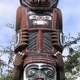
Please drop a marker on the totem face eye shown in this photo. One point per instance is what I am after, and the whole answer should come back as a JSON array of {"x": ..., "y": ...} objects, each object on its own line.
[
  {"x": 49, "y": 73},
  {"x": 30, "y": 72},
  {"x": 40, "y": 71}
]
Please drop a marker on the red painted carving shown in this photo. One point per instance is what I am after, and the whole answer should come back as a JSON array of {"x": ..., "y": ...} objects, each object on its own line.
[{"x": 39, "y": 30}]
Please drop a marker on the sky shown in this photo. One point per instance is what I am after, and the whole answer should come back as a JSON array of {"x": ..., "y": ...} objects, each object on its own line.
[
  {"x": 70, "y": 13},
  {"x": 70, "y": 10}
]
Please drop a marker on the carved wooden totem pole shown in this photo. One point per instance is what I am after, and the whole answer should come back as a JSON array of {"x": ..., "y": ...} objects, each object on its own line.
[{"x": 39, "y": 41}]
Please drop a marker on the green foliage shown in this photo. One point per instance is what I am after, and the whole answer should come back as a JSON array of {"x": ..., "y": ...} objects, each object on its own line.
[
  {"x": 72, "y": 61},
  {"x": 72, "y": 65},
  {"x": 8, "y": 77}
]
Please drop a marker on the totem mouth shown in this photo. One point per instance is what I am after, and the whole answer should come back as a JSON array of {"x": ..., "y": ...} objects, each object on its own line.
[{"x": 40, "y": 79}]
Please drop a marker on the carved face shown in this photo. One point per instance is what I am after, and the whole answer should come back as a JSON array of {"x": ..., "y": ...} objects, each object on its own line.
[
  {"x": 39, "y": 71},
  {"x": 39, "y": 4}
]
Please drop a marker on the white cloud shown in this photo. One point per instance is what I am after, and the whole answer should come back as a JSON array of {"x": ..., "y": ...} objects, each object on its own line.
[
  {"x": 7, "y": 15},
  {"x": 78, "y": 78},
  {"x": 70, "y": 11}
]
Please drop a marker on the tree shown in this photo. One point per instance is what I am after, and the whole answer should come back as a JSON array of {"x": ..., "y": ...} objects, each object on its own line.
[
  {"x": 72, "y": 64},
  {"x": 9, "y": 50}
]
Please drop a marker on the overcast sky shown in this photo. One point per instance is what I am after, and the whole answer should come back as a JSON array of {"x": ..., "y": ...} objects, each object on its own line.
[{"x": 70, "y": 10}]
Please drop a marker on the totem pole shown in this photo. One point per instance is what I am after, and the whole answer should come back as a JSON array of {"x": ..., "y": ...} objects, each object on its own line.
[{"x": 39, "y": 41}]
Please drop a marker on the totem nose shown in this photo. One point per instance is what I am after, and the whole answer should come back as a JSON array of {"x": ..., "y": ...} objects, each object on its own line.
[{"x": 40, "y": 76}]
